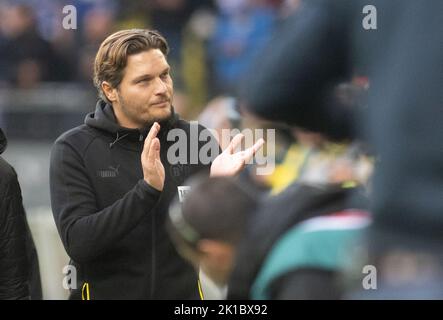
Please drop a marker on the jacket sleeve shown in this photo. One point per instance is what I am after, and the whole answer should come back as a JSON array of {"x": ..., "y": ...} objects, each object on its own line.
[
  {"x": 13, "y": 236},
  {"x": 293, "y": 81},
  {"x": 87, "y": 232}
]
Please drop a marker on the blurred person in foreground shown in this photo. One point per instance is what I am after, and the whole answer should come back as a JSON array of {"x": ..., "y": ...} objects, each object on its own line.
[
  {"x": 291, "y": 246},
  {"x": 402, "y": 53},
  {"x": 303, "y": 235},
  {"x": 19, "y": 269},
  {"x": 207, "y": 227},
  {"x": 112, "y": 180},
  {"x": 300, "y": 239}
]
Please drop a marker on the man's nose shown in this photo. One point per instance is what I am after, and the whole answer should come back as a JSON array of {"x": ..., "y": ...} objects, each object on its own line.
[{"x": 160, "y": 87}]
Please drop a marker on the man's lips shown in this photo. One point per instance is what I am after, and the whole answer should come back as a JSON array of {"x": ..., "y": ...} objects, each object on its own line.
[{"x": 159, "y": 103}]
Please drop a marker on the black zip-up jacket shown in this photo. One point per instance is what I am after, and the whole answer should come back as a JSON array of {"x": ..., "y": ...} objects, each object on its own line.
[
  {"x": 110, "y": 220},
  {"x": 19, "y": 271}
]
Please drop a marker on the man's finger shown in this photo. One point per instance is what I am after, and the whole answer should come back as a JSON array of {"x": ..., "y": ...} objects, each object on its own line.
[
  {"x": 157, "y": 149},
  {"x": 236, "y": 141},
  {"x": 154, "y": 152},
  {"x": 155, "y": 128},
  {"x": 250, "y": 152},
  {"x": 257, "y": 146}
]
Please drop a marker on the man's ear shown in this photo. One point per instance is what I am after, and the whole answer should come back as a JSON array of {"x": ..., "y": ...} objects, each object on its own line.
[{"x": 109, "y": 91}]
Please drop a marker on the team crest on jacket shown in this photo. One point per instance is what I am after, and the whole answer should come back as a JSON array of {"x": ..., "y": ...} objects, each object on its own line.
[{"x": 182, "y": 192}]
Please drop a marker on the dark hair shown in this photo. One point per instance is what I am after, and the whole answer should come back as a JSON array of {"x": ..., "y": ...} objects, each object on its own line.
[{"x": 216, "y": 208}]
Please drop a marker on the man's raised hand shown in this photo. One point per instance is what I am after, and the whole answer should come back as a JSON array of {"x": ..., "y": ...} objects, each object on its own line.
[
  {"x": 230, "y": 163},
  {"x": 153, "y": 170}
]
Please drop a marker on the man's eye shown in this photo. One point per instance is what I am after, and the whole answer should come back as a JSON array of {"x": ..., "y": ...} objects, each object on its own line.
[{"x": 164, "y": 75}]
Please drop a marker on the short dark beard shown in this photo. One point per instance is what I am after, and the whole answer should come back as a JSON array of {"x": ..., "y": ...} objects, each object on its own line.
[
  {"x": 162, "y": 120},
  {"x": 150, "y": 122}
]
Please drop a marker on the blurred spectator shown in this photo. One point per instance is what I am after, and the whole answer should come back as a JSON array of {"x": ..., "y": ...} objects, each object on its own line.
[
  {"x": 306, "y": 261},
  {"x": 290, "y": 259},
  {"x": 206, "y": 229},
  {"x": 288, "y": 7},
  {"x": 314, "y": 185},
  {"x": 97, "y": 24},
  {"x": 26, "y": 58},
  {"x": 132, "y": 14},
  {"x": 243, "y": 27},
  {"x": 170, "y": 17}
]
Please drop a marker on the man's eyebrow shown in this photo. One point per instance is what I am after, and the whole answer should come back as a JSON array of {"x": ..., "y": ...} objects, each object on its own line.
[
  {"x": 143, "y": 77},
  {"x": 149, "y": 76}
]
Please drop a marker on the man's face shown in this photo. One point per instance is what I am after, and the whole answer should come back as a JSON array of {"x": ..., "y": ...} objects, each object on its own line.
[{"x": 145, "y": 92}]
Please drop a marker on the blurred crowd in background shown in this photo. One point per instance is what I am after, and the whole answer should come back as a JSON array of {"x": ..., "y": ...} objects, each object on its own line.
[{"x": 212, "y": 42}]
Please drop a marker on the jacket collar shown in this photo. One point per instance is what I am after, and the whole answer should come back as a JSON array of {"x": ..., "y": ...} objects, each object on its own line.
[{"x": 103, "y": 118}]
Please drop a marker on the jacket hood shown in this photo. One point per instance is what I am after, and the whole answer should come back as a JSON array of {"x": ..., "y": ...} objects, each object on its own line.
[
  {"x": 103, "y": 118},
  {"x": 3, "y": 141}
]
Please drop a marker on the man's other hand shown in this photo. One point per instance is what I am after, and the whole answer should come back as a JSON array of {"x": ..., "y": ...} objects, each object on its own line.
[
  {"x": 153, "y": 170},
  {"x": 230, "y": 163}
]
